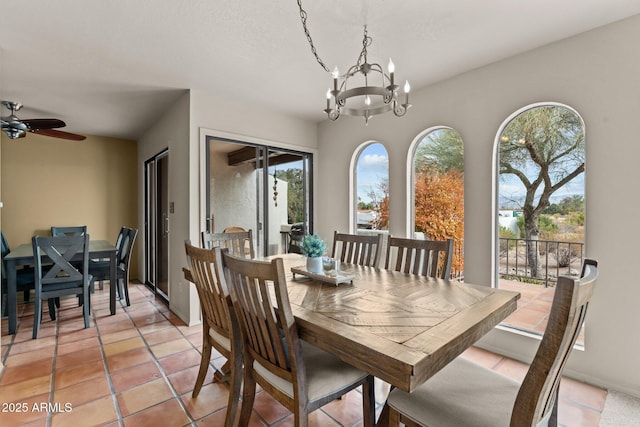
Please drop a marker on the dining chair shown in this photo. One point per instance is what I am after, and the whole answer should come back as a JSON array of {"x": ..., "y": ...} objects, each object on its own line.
[
  {"x": 59, "y": 277},
  {"x": 424, "y": 257},
  {"x": 68, "y": 231},
  {"x": 24, "y": 276},
  {"x": 220, "y": 328},
  {"x": 238, "y": 242},
  {"x": 233, "y": 229},
  {"x": 299, "y": 375},
  {"x": 296, "y": 234},
  {"x": 100, "y": 269},
  {"x": 466, "y": 394},
  {"x": 361, "y": 249}
]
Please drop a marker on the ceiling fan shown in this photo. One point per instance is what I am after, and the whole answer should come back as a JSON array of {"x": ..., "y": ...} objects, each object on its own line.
[{"x": 17, "y": 128}]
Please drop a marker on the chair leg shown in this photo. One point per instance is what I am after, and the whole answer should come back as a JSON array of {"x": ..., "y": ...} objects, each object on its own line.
[
  {"x": 52, "y": 307},
  {"x": 86, "y": 309},
  {"x": 204, "y": 361},
  {"x": 37, "y": 317},
  {"x": 125, "y": 284},
  {"x": 248, "y": 396},
  {"x": 235, "y": 386}
]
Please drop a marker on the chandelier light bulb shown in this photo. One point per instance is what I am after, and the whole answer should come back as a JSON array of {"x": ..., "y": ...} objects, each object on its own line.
[
  {"x": 407, "y": 86},
  {"x": 367, "y": 100},
  {"x": 335, "y": 73},
  {"x": 391, "y": 67}
]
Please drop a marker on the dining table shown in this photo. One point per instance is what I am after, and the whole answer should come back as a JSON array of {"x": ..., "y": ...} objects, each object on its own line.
[
  {"x": 399, "y": 327},
  {"x": 402, "y": 328},
  {"x": 23, "y": 255}
]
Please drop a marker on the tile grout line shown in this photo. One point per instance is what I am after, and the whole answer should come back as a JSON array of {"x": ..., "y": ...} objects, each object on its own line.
[
  {"x": 112, "y": 388},
  {"x": 157, "y": 363}
]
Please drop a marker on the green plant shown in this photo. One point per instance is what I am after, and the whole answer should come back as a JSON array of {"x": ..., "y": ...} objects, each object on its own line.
[{"x": 313, "y": 245}]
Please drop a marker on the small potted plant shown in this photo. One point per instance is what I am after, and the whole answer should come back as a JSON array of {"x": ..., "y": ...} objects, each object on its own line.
[{"x": 313, "y": 247}]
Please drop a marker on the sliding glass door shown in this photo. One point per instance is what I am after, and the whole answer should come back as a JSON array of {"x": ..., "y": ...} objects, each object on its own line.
[{"x": 258, "y": 187}]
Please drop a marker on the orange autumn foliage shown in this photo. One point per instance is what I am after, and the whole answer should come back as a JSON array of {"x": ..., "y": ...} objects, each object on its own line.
[{"x": 439, "y": 209}]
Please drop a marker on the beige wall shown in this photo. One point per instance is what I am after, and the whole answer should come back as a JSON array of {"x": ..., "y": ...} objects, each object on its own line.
[
  {"x": 597, "y": 74},
  {"x": 48, "y": 181}
]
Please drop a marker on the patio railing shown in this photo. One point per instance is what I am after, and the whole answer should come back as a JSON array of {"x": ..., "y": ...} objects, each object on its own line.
[{"x": 555, "y": 258}]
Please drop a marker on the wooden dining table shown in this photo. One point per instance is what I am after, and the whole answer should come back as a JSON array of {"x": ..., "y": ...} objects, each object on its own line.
[
  {"x": 401, "y": 328},
  {"x": 23, "y": 255}
]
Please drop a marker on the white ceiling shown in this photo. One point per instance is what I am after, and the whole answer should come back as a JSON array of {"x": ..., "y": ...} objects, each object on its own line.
[{"x": 112, "y": 67}]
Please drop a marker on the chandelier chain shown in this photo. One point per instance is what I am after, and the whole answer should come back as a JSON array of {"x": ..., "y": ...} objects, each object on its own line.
[
  {"x": 303, "y": 18},
  {"x": 366, "y": 41}
]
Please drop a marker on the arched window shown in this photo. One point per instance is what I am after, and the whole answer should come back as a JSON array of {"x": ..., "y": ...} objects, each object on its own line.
[
  {"x": 539, "y": 163},
  {"x": 370, "y": 189},
  {"x": 436, "y": 174}
]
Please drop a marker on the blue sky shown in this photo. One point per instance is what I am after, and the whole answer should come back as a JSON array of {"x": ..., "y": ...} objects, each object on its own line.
[{"x": 372, "y": 168}]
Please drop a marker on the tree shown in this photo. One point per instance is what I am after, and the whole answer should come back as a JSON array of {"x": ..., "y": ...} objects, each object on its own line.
[
  {"x": 544, "y": 149},
  {"x": 439, "y": 189},
  {"x": 439, "y": 208},
  {"x": 380, "y": 204},
  {"x": 295, "y": 199},
  {"x": 441, "y": 150}
]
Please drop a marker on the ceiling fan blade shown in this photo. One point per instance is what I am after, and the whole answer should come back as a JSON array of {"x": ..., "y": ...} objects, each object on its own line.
[
  {"x": 34, "y": 124},
  {"x": 59, "y": 134}
]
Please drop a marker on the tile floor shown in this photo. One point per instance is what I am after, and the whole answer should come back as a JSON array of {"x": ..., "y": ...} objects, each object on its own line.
[{"x": 138, "y": 368}]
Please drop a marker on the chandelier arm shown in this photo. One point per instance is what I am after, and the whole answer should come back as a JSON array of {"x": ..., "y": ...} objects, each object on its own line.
[{"x": 303, "y": 19}]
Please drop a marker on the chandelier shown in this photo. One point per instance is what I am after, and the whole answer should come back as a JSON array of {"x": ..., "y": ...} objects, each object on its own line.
[{"x": 365, "y": 90}]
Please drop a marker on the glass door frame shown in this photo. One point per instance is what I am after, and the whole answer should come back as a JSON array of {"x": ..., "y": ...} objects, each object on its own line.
[{"x": 262, "y": 187}]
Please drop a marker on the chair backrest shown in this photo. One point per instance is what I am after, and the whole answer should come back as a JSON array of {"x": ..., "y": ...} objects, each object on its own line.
[
  {"x": 361, "y": 249},
  {"x": 233, "y": 229},
  {"x": 60, "y": 250},
  {"x": 538, "y": 392},
  {"x": 296, "y": 234},
  {"x": 268, "y": 328},
  {"x": 239, "y": 242},
  {"x": 5, "y": 245},
  {"x": 68, "y": 231},
  {"x": 215, "y": 301},
  {"x": 124, "y": 252},
  {"x": 425, "y": 257}
]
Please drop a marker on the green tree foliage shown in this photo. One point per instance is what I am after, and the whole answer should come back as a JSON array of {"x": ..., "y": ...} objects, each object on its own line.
[
  {"x": 441, "y": 150},
  {"x": 295, "y": 195},
  {"x": 568, "y": 205},
  {"x": 544, "y": 148}
]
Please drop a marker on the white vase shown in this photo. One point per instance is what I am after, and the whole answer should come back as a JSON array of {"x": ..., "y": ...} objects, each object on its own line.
[{"x": 314, "y": 265}]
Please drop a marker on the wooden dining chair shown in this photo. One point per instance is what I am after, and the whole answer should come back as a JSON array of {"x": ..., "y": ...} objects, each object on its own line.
[
  {"x": 219, "y": 325},
  {"x": 238, "y": 242},
  {"x": 361, "y": 249},
  {"x": 297, "y": 374},
  {"x": 68, "y": 231},
  {"x": 101, "y": 269},
  {"x": 466, "y": 394},
  {"x": 59, "y": 276},
  {"x": 424, "y": 257}
]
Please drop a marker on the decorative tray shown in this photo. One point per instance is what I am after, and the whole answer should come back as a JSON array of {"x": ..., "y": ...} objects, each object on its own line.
[{"x": 332, "y": 277}]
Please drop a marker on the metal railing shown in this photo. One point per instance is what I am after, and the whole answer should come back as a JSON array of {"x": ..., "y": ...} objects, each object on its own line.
[{"x": 554, "y": 258}]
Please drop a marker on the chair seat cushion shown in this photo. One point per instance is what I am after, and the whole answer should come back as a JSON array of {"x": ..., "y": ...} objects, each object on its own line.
[
  {"x": 222, "y": 340},
  {"x": 461, "y": 394},
  {"x": 325, "y": 374}
]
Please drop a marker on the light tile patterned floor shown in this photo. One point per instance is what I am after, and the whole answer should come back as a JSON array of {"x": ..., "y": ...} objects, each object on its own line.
[{"x": 138, "y": 368}]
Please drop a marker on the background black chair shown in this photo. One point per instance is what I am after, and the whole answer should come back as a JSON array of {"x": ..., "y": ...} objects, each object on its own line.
[
  {"x": 61, "y": 277},
  {"x": 100, "y": 269},
  {"x": 296, "y": 234},
  {"x": 69, "y": 231},
  {"x": 24, "y": 276}
]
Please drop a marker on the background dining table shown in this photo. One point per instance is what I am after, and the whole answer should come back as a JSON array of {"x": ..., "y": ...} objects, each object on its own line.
[{"x": 23, "y": 255}]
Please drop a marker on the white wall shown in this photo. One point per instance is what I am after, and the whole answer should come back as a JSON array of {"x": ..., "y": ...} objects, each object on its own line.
[
  {"x": 598, "y": 74},
  {"x": 180, "y": 130}
]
